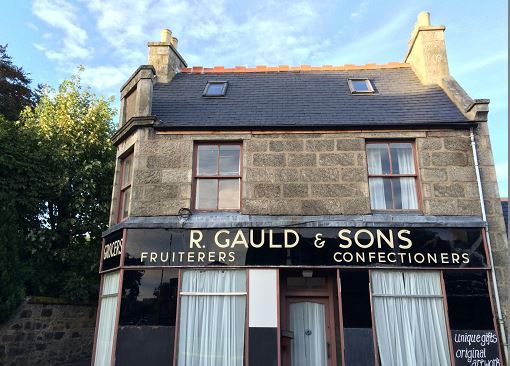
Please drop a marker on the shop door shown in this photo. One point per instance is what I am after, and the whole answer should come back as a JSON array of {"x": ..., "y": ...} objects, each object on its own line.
[{"x": 309, "y": 326}]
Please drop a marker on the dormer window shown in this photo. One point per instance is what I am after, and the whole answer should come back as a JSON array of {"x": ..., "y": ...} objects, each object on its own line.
[
  {"x": 215, "y": 89},
  {"x": 360, "y": 86}
]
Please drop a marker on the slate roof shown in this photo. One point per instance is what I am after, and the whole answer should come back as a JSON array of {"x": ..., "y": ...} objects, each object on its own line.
[{"x": 302, "y": 99}]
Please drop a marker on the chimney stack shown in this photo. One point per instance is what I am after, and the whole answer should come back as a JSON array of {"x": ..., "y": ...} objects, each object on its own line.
[
  {"x": 427, "y": 51},
  {"x": 164, "y": 57}
]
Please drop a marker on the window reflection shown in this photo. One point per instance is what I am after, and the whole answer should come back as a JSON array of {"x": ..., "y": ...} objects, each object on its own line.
[{"x": 149, "y": 297}]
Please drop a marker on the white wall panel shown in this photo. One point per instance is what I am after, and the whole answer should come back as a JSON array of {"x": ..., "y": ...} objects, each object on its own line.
[{"x": 263, "y": 298}]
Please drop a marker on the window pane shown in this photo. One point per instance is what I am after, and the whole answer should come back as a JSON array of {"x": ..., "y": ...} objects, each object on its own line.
[
  {"x": 380, "y": 193},
  {"x": 107, "y": 316},
  {"x": 147, "y": 317},
  {"x": 230, "y": 159},
  {"x": 378, "y": 159},
  {"x": 215, "y": 89},
  {"x": 207, "y": 160},
  {"x": 402, "y": 159},
  {"x": 229, "y": 194},
  {"x": 207, "y": 194},
  {"x": 149, "y": 297},
  {"x": 126, "y": 178},
  {"x": 404, "y": 193},
  {"x": 125, "y": 202},
  {"x": 212, "y": 327},
  {"x": 404, "y": 324},
  {"x": 467, "y": 294},
  {"x": 357, "y": 319},
  {"x": 360, "y": 85}
]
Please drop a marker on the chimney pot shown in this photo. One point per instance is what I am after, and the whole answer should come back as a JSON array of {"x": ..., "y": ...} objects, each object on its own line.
[
  {"x": 424, "y": 19},
  {"x": 166, "y": 35},
  {"x": 174, "y": 42}
]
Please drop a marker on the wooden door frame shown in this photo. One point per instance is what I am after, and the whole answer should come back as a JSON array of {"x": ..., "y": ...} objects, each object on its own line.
[{"x": 324, "y": 295}]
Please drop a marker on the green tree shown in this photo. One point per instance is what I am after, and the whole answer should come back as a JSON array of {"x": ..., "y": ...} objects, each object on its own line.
[
  {"x": 15, "y": 90},
  {"x": 21, "y": 185},
  {"x": 73, "y": 129}
]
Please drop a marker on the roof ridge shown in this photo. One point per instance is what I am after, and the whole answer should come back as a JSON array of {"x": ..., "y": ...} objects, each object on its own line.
[{"x": 287, "y": 68}]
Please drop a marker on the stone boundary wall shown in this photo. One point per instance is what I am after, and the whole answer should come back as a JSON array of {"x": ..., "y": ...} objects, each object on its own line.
[{"x": 47, "y": 334}]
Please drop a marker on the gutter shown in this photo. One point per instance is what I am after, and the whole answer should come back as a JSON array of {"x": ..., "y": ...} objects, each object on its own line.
[{"x": 500, "y": 321}]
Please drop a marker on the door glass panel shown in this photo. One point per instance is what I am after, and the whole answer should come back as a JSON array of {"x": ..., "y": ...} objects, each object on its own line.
[{"x": 308, "y": 324}]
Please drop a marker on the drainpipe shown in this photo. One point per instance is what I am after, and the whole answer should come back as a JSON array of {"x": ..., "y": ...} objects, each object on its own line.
[{"x": 501, "y": 322}]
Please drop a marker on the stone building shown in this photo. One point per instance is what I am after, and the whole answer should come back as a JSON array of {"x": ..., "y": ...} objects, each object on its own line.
[{"x": 303, "y": 216}]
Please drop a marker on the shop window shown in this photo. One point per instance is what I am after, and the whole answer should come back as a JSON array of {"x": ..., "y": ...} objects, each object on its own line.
[
  {"x": 472, "y": 326},
  {"x": 467, "y": 294},
  {"x": 392, "y": 176},
  {"x": 217, "y": 173},
  {"x": 357, "y": 319},
  {"x": 147, "y": 317},
  {"x": 126, "y": 177},
  {"x": 409, "y": 318},
  {"x": 107, "y": 319},
  {"x": 212, "y": 317}
]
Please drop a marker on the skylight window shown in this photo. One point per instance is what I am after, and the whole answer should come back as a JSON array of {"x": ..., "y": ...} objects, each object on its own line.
[
  {"x": 361, "y": 86},
  {"x": 215, "y": 89}
]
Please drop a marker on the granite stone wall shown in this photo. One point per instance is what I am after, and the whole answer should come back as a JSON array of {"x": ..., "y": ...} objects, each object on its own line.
[
  {"x": 323, "y": 173},
  {"x": 47, "y": 334},
  {"x": 302, "y": 174}
]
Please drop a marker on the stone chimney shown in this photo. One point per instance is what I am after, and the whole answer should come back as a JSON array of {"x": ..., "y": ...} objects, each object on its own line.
[
  {"x": 165, "y": 58},
  {"x": 427, "y": 51}
]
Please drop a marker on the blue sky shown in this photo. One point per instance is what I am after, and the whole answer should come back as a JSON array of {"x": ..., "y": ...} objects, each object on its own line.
[{"x": 50, "y": 38}]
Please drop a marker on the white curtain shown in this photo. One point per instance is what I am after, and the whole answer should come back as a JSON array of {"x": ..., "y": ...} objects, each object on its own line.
[
  {"x": 212, "y": 320},
  {"x": 376, "y": 185},
  {"x": 107, "y": 318},
  {"x": 406, "y": 166},
  {"x": 410, "y": 330},
  {"x": 307, "y": 321}
]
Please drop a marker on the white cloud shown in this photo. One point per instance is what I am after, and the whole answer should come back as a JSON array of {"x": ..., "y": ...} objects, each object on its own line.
[
  {"x": 478, "y": 64},
  {"x": 212, "y": 29},
  {"x": 62, "y": 16},
  {"x": 106, "y": 79},
  {"x": 362, "y": 8}
]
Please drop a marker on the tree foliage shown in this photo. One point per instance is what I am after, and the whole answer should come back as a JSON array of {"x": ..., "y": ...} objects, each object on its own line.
[
  {"x": 15, "y": 90},
  {"x": 72, "y": 128},
  {"x": 57, "y": 165}
]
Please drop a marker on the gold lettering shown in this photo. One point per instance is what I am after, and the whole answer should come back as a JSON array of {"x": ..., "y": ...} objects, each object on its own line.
[
  {"x": 346, "y": 238},
  {"x": 271, "y": 244},
  {"x": 226, "y": 243},
  {"x": 240, "y": 239},
  {"x": 403, "y": 238},
  {"x": 361, "y": 245},
  {"x": 381, "y": 237},
  {"x": 252, "y": 242},
  {"x": 286, "y": 233},
  {"x": 195, "y": 240}
]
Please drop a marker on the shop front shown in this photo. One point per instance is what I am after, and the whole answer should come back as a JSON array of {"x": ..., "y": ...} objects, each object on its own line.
[{"x": 296, "y": 295}]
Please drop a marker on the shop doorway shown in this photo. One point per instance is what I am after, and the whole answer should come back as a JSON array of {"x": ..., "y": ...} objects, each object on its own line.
[{"x": 309, "y": 322}]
